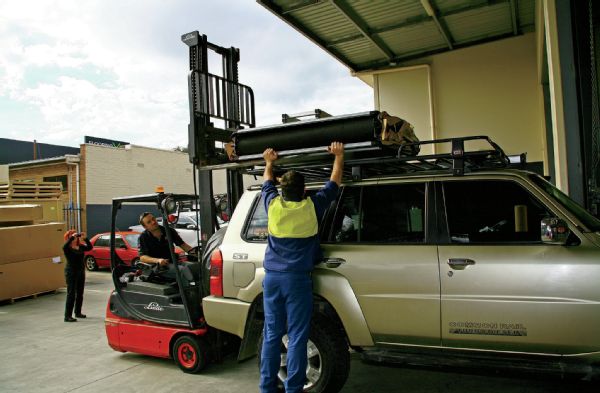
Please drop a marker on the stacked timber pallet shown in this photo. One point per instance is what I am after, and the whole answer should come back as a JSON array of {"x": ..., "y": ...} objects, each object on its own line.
[
  {"x": 31, "y": 260},
  {"x": 29, "y": 190}
]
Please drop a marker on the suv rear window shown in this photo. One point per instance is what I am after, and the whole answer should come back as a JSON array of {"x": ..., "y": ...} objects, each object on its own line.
[
  {"x": 489, "y": 211},
  {"x": 380, "y": 214}
]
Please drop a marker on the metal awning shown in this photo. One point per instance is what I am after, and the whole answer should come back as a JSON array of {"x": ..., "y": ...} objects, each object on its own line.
[{"x": 372, "y": 35}]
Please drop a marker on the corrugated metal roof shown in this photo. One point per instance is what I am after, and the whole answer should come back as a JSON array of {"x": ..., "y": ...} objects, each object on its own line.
[
  {"x": 480, "y": 23},
  {"x": 374, "y": 34},
  {"x": 414, "y": 39}
]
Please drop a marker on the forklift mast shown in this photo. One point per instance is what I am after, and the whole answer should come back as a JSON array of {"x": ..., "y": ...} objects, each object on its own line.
[{"x": 214, "y": 97}]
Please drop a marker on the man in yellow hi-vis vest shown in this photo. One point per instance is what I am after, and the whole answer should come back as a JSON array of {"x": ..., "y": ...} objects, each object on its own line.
[{"x": 292, "y": 251}]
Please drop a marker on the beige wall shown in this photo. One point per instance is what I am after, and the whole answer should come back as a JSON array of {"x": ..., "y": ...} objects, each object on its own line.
[
  {"x": 117, "y": 172},
  {"x": 490, "y": 89}
]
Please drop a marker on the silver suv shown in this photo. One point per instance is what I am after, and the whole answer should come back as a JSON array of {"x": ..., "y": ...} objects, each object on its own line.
[{"x": 494, "y": 267}]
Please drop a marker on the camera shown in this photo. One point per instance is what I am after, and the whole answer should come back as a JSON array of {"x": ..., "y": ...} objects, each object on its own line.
[{"x": 77, "y": 235}]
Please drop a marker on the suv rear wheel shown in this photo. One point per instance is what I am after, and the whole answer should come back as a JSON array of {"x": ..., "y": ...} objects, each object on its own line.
[{"x": 328, "y": 358}]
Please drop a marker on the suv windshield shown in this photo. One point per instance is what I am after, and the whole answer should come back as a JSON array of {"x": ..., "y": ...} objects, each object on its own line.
[{"x": 591, "y": 222}]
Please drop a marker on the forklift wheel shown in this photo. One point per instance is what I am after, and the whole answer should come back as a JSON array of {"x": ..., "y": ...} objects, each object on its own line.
[{"x": 190, "y": 353}]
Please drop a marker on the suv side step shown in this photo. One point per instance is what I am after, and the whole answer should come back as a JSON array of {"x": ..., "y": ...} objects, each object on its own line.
[{"x": 458, "y": 361}]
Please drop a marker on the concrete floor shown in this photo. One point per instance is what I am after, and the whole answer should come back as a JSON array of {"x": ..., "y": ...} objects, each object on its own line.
[{"x": 41, "y": 353}]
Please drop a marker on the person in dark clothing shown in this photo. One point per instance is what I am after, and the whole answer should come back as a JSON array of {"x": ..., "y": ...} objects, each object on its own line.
[
  {"x": 292, "y": 251},
  {"x": 154, "y": 249},
  {"x": 74, "y": 248}
]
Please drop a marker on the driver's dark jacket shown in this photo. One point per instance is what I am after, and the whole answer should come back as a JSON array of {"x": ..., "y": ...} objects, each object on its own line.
[{"x": 155, "y": 248}]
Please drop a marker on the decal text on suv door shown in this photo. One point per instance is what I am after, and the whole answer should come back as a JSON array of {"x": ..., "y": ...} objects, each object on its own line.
[{"x": 488, "y": 328}]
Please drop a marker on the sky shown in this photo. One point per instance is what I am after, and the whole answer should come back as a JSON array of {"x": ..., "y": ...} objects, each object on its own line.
[{"x": 118, "y": 69}]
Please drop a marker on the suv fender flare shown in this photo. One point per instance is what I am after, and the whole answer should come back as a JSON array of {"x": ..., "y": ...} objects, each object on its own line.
[
  {"x": 338, "y": 293},
  {"x": 333, "y": 296}
]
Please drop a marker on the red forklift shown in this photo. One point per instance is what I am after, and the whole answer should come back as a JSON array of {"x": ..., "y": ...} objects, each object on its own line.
[{"x": 146, "y": 314}]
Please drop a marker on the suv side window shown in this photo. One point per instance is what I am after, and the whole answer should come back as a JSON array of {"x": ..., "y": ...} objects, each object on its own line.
[
  {"x": 256, "y": 228},
  {"x": 381, "y": 214},
  {"x": 488, "y": 211}
]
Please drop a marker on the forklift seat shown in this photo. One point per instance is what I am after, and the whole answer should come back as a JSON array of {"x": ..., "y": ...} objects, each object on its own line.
[{"x": 151, "y": 288}]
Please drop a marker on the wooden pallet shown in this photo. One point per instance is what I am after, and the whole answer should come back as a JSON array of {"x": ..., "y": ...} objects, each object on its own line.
[
  {"x": 28, "y": 190},
  {"x": 25, "y": 297}
]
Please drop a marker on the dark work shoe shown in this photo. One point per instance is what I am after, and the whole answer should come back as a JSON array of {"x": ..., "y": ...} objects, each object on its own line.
[
  {"x": 70, "y": 319},
  {"x": 80, "y": 315}
]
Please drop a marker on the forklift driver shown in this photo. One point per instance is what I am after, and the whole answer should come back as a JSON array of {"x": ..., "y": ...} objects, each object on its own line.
[{"x": 154, "y": 249}]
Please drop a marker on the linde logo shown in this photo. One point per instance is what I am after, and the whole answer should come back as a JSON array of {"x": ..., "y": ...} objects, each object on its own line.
[{"x": 153, "y": 306}]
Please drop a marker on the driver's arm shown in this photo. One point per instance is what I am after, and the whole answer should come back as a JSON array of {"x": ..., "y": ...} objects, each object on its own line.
[
  {"x": 152, "y": 260},
  {"x": 186, "y": 247}
]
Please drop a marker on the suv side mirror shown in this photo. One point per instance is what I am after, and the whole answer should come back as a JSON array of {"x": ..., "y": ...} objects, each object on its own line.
[{"x": 554, "y": 231}]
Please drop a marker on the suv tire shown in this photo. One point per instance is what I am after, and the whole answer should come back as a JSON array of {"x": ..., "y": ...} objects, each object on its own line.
[{"x": 328, "y": 358}]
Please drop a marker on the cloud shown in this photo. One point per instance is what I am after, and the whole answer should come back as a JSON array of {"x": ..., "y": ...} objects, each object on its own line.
[{"x": 119, "y": 70}]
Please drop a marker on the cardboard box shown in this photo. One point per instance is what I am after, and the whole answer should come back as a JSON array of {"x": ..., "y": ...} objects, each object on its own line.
[
  {"x": 24, "y": 243},
  {"x": 12, "y": 213},
  {"x": 30, "y": 277},
  {"x": 52, "y": 208}
]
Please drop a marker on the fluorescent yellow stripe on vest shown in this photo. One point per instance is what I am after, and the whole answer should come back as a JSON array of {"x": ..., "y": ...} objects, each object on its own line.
[{"x": 292, "y": 219}]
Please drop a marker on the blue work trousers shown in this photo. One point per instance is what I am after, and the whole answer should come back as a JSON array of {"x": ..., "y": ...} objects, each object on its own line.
[{"x": 287, "y": 297}]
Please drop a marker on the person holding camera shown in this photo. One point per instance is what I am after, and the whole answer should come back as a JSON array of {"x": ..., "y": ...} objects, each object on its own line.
[{"x": 75, "y": 247}]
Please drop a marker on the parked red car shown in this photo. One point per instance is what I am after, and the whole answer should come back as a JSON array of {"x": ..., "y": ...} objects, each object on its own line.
[{"x": 126, "y": 248}]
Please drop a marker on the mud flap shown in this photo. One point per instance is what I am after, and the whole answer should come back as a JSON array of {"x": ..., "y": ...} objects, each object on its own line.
[{"x": 254, "y": 328}]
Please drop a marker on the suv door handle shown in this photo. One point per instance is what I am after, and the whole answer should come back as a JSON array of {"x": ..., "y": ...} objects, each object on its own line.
[
  {"x": 460, "y": 263},
  {"x": 333, "y": 262}
]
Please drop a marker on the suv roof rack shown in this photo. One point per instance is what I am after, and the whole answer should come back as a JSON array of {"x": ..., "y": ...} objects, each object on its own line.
[
  {"x": 364, "y": 161},
  {"x": 372, "y": 159}
]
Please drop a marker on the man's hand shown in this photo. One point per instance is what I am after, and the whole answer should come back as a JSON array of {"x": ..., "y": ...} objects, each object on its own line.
[
  {"x": 163, "y": 262},
  {"x": 270, "y": 155},
  {"x": 336, "y": 148}
]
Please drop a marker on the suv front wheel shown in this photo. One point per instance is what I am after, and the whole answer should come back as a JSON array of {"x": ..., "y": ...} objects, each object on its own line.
[{"x": 328, "y": 358}]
